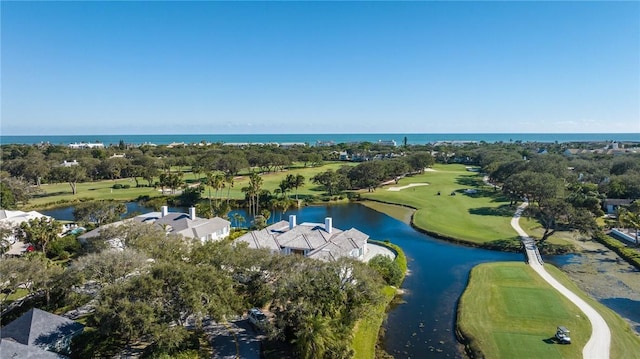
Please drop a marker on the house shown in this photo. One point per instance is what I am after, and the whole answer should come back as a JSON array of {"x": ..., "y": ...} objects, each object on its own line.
[
  {"x": 12, "y": 220},
  {"x": 312, "y": 240},
  {"x": 611, "y": 205},
  {"x": 9, "y": 348},
  {"x": 82, "y": 145},
  {"x": 391, "y": 143},
  {"x": 66, "y": 163},
  {"x": 40, "y": 329},
  {"x": 187, "y": 225}
]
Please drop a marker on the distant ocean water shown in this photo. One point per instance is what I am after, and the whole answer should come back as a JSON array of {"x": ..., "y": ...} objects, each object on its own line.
[{"x": 311, "y": 139}]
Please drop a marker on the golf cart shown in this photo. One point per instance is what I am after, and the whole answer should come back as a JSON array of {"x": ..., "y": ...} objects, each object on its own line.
[{"x": 562, "y": 334}]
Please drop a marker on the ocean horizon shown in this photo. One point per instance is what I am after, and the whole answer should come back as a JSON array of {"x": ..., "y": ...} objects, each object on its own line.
[{"x": 312, "y": 139}]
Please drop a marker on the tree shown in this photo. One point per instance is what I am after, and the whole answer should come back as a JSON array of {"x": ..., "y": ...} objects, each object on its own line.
[
  {"x": 39, "y": 232},
  {"x": 14, "y": 190},
  {"x": 630, "y": 218},
  {"x": 367, "y": 175},
  {"x": 33, "y": 271},
  {"x": 172, "y": 180},
  {"x": 285, "y": 185},
  {"x": 99, "y": 212},
  {"x": 314, "y": 336},
  {"x": 296, "y": 182},
  {"x": 252, "y": 193},
  {"x": 5, "y": 234},
  {"x": 72, "y": 175},
  {"x": 332, "y": 181},
  {"x": 420, "y": 160},
  {"x": 107, "y": 267},
  {"x": 387, "y": 268}
]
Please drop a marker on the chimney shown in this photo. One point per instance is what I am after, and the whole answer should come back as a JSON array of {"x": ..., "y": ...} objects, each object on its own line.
[
  {"x": 164, "y": 210},
  {"x": 292, "y": 221},
  {"x": 192, "y": 213},
  {"x": 327, "y": 225}
]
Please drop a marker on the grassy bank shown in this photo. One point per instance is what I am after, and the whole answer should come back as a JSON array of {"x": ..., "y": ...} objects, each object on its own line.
[
  {"x": 366, "y": 332},
  {"x": 508, "y": 311}
]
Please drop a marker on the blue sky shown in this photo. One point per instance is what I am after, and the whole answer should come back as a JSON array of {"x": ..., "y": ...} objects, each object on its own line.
[{"x": 319, "y": 67}]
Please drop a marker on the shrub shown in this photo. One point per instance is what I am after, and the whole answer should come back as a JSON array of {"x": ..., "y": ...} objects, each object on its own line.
[
  {"x": 64, "y": 247},
  {"x": 116, "y": 186},
  {"x": 388, "y": 269}
]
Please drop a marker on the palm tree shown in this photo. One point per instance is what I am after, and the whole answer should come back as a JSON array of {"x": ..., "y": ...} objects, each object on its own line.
[
  {"x": 629, "y": 219},
  {"x": 229, "y": 180},
  {"x": 284, "y": 186},
  {"x": 255, "y": 185},
  {"x": 297, "y": 181},
  {"x": 314, "y": 337}
]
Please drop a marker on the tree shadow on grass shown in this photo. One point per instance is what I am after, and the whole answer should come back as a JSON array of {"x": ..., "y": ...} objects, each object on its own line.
[
  {"x": 504, "y": 210},
  {"x": 470, "y": 181},
  {"x": 49, "y": 194}
]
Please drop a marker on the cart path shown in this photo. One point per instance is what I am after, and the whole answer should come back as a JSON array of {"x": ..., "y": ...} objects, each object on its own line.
[{"x": 599, "y": 344}]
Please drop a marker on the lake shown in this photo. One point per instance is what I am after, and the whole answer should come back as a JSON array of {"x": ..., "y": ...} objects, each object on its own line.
[{"x": 422, "y": 326}]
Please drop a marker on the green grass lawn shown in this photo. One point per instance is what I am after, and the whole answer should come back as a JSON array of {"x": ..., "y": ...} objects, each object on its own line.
[
  {"x": 366, "y": 331},
  {"x": 481, "y": 217},
  {"x": 508, "y": 311},
  {"x": 59, "y": 194}
]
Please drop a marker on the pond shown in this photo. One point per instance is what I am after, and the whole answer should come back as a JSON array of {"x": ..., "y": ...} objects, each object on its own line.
[{"x": 422, "y": 326}]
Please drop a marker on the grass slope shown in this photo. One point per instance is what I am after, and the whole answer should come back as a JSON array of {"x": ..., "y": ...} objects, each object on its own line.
[{"x": 508, "y": 311}]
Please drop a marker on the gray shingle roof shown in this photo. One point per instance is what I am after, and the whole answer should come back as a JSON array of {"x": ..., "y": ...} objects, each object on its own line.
[
  {"x": 312, "y": 237},
  {"x": 12, "y": 349},
  {"x": 40, "y": 328}
]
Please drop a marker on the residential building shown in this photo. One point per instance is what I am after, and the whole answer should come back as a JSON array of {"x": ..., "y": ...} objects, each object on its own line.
[
  {"x": 312, "y": 240},
  {"x": 186, "y": 224},
  {"x": 66, "y": 163},
  {"x": 611, "y": 205},
  {"x": 12, "y": 220},
  {"x": 82, "y": 145},
  {"x": 44, "y": 330}
]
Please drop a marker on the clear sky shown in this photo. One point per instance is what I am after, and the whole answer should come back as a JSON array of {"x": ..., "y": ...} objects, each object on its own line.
[{"x": 319, "y": 67}]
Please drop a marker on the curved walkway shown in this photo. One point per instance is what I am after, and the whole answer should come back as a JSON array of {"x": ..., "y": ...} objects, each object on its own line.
[{"x": 599, "y": 344}]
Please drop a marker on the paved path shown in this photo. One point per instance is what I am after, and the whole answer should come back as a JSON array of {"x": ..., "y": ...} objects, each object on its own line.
[
  {"x": 235, "y": 339},
  {"x": 599, "y": 344}
]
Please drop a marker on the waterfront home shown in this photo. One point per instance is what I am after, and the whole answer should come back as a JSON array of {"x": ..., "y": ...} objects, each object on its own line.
[
  {"x": 187, "y": 225},
  {"x": 313, "y": 240},
  {"x": 39, "y": 329}
]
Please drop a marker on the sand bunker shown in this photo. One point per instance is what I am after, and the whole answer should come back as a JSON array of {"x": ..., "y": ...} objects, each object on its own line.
[{"x": 395, "y": 189}]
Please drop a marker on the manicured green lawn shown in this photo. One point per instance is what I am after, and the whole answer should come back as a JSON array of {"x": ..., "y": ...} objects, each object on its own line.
[
  {"x": 624, "y": 342},
  {"x": 481, "y": 217},
  {"x": 60, "y": 193},
  {"x": 508, "y": 311}
]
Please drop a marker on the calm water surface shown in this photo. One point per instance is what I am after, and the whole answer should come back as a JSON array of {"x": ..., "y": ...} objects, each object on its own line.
[{"x": 422, "y": 326}]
